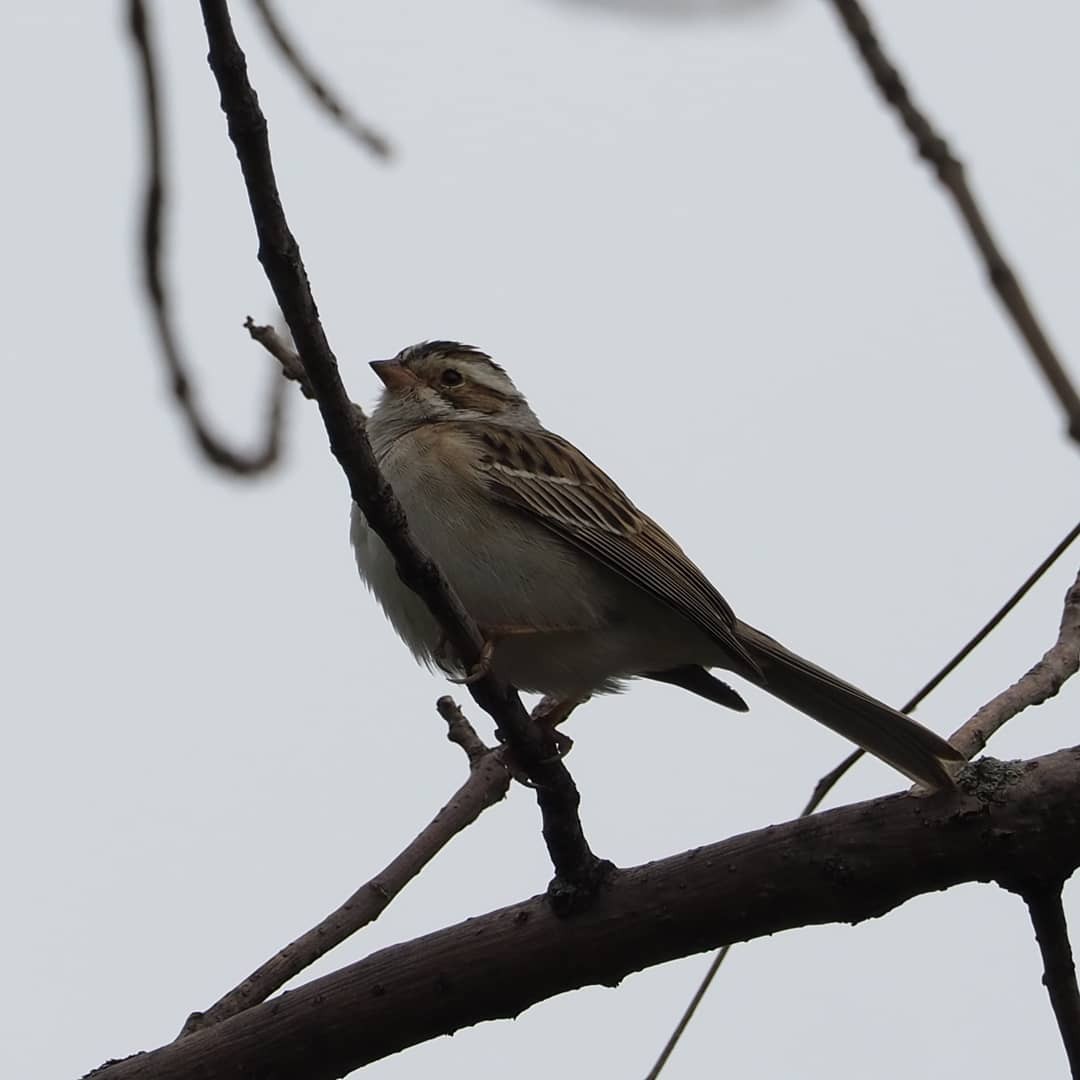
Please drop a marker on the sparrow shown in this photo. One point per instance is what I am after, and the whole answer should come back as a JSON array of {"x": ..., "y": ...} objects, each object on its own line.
[{"x": 575, "y": 590}]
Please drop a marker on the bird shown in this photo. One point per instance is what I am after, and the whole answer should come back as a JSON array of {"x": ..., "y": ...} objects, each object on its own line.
[{"x": 575, "y": 590}]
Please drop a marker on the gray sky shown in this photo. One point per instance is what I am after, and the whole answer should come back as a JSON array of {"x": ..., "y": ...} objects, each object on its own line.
[{"x": 708, "y": 257}]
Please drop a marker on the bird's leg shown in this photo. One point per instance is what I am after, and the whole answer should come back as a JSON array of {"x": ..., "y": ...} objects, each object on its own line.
[{"x": 492, "y": 636}]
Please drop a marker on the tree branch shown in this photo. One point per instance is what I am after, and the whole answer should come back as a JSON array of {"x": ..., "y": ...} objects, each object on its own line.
[
  {"x": 1059, "y": 971},
  {"x": 578, "y": 871},
  {"x": 487, "y": 784},
  {"x": 1008, "y": 822},
  {"x": 1059, "y": 663},
  {"x": 933, "y": 148},
  {"x": 212, "y": 446},
  {"x": 330, "y": 103}
]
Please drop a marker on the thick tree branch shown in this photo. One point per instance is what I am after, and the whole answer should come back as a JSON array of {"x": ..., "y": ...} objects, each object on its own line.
[
  {"x": 488, "y": 781},
  {"x": 1059, "y": 971},
  {"x": 212, "y": 446},
  {"x": 1010, "y": 821},
  {"x": 935, "y": 151},
  {"x": 577, "y": 869},
  {"x": 330, "y": 103}
]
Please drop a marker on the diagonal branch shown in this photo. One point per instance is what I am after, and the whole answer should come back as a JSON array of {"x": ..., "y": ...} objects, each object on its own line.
[
  {"x": 578, "y": 871},
  {"x": 486, "y": 785},
  {"x": 1060, "y": 662},
  {"x": 845, "y": 865},
  {"x": 358, "y": 129},
  {"x": 212, "y": 446},
  {"x": 933, "y": 148}
]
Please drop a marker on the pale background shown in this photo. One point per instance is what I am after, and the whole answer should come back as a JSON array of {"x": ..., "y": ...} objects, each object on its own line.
[{"x": 706, "y": 253}]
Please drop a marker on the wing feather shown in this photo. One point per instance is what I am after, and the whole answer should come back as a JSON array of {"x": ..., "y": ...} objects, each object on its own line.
[{"x": 543, "y": 475}]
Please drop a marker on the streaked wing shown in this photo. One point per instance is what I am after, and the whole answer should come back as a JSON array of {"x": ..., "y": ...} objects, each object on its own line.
[{"x": 544, "y": 475}]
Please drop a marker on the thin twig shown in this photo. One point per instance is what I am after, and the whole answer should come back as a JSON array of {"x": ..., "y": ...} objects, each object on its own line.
[
  {"x": 291, "y": 365},
  {"x": 1060, "y": 662},
  {"x": 487, "y": 784},
  {"x": 212, "y": 446},
  {"x": 578, "y": 872},
  {"x": 1045, "y": 678},
  {"x": 933, "y": 148},
  {"x": 830, "y": 779},
  {"x": 358, "y": 129},
  {"x": 688, "y": 1015},
  {"x": 1059, "y": 971}
]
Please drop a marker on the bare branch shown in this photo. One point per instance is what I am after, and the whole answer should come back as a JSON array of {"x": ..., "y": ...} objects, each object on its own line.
[
  {"x": 933, "y": 148},
  {"x": 1059, "y": 971},
  {"x": 358, "y": 129},
  {"x": 578, "y": 871},
  {"x": 487, "y": 784},
  {"x": 212, "y": 446},
  {"x": 291, "y": 365},
  {"x": 1042, "y": 682},
  {"x": 845, "y": 865}
]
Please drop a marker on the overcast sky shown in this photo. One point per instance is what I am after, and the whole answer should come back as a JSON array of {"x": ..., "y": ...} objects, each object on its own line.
[{"x": 708, "y": 256}]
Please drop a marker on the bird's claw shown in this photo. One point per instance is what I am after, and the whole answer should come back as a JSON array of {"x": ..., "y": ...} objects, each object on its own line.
[{"x": 481, "y": 668}]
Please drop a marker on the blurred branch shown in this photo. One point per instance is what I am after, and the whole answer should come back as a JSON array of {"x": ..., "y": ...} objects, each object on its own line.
[
  {"x": 362, "y": 132},
  {"x": 487, "y": 784},
  {"x": 212, "y": 446},
  {"x": 1059, "y": 971},
  {"x": 578, "y": 872},
  {"x": 844, "y": 865},
  {"x": 933, "y": 148}
]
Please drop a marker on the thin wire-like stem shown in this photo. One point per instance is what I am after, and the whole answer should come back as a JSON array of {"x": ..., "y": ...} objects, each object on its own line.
[{"x": 687, "y": 1016}]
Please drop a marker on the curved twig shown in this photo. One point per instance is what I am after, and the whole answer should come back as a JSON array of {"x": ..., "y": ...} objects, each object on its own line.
[{"x": 212, "y": 446}]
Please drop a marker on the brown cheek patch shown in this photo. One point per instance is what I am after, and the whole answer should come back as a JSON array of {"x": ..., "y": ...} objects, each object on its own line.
[{"x": 479, "y": 399}]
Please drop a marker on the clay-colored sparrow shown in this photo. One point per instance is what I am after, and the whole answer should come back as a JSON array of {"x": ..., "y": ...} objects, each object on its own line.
[{"x": 575, "y": 588}]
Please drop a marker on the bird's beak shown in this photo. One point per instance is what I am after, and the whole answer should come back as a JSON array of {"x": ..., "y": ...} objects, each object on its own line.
[{"x": 394, "y": 376}]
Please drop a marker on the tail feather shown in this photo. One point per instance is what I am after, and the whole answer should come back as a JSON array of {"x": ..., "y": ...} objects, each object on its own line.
[{"x": 880, "y": 730}]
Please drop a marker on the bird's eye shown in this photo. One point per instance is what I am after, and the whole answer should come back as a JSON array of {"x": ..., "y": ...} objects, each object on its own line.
[{"x": 452, "y": 377}]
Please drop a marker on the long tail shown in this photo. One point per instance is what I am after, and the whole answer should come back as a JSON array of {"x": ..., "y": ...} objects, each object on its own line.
[{"x": 880, "y": 730}]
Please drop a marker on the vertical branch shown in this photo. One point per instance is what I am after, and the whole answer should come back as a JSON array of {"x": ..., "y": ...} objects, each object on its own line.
[
  {"x": 211, "y": 445},
  {"x": 1059, "y": 971},
  {"x": 933, "y": 148}
]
